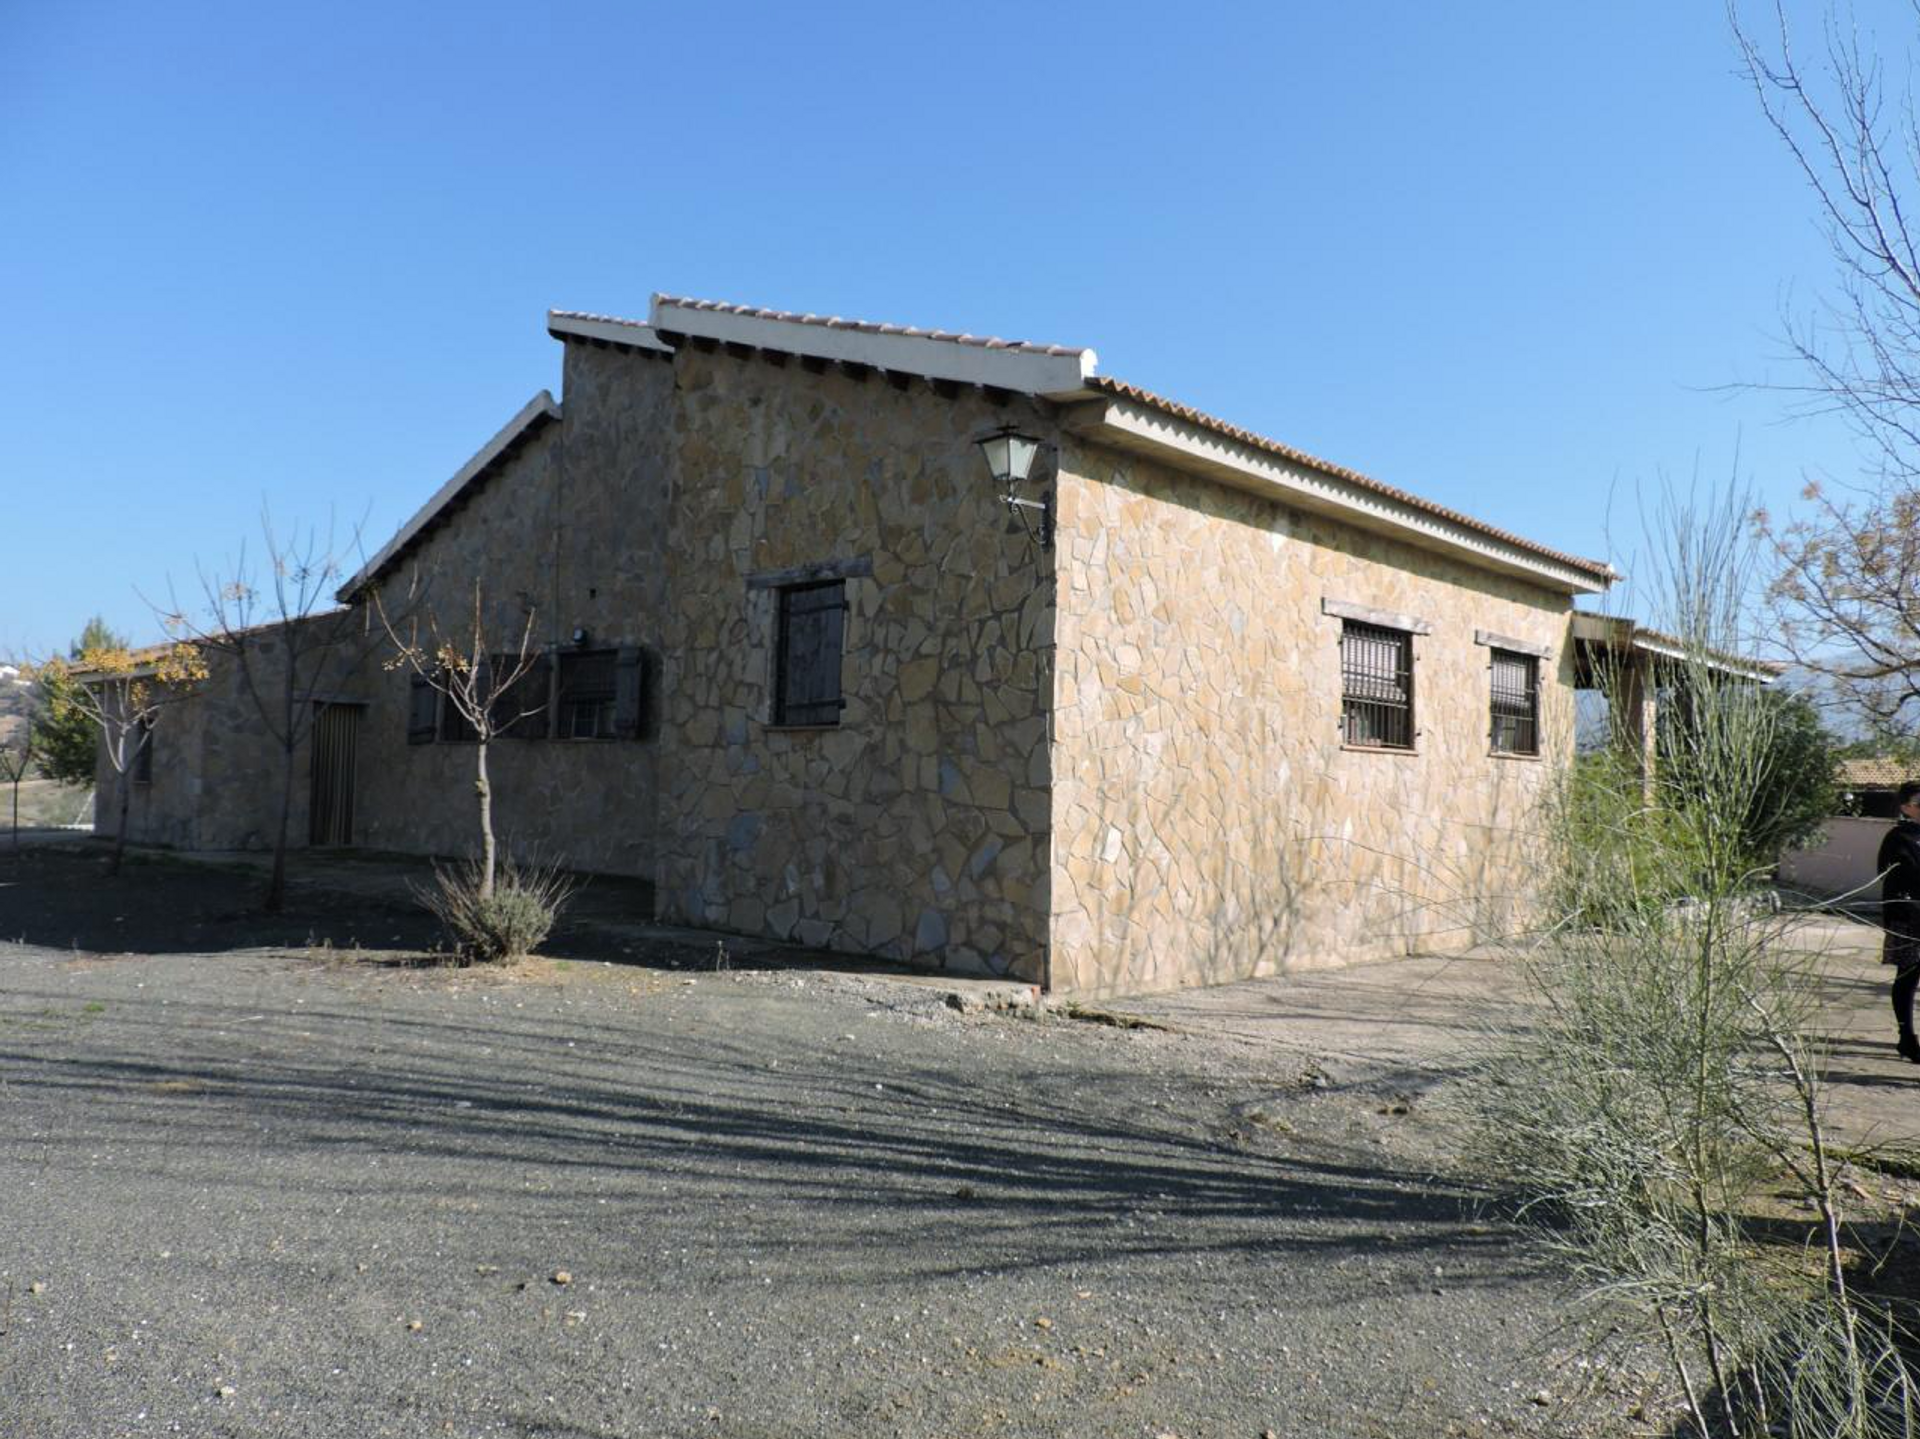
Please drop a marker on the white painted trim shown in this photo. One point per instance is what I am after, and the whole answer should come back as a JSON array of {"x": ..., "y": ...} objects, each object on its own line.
[
  {"x": 1726, "y": 664},
  {"x": 1178, "y": 442},
  {"x": 1024, "y": 371},
  {"x": 541, "y": 405},
  {"x": 630, "y": 333}
]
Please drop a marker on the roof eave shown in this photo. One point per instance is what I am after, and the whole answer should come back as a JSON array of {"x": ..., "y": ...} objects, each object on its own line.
[
  {"x": 1194, "y": 448},
  {"x": 535, "y": 414},
  {"x": 603, "y": 329},
  {"x": 1010, "y": 367}
]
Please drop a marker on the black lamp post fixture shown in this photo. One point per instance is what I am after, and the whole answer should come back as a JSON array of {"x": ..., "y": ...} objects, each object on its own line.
[{"x": 1010, "y": 456}]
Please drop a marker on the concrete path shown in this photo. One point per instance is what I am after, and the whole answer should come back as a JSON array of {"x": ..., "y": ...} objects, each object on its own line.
[{"x": 1410, "y": 1023}]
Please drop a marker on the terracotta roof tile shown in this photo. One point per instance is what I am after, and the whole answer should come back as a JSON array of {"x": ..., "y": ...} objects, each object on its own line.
[
  {"x": 865, "y": 327},
  {"x": 1600, "y": 569},
  {"x": 598, "y": 319}
]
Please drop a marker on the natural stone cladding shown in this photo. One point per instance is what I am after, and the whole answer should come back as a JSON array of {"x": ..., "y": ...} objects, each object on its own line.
[
  {"x": 1209, "y": 823},
  {"x": 1115, "y": 765},
  {"x": 570, "y": 531},
  {"x": 917, "y": 827}
]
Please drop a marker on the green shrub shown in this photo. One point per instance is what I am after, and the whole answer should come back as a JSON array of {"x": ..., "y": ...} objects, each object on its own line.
[{"x": 495, "y": 928}]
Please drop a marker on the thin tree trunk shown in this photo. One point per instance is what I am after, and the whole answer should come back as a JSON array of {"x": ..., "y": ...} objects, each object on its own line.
[
  {"x": 125, "y": 784},
  {"x": 277, "y": 881},
  {"x": 485, "y": 792},
  {"x": 16, "y": 808}
]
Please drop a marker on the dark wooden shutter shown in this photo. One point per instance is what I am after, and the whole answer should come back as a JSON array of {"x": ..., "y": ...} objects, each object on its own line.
[
  {"x": 812, "y": 638},
  {"x": 422, "y": 710},
  {"x": 627, "y": 693},
  {"x": 520, "y": 710}
]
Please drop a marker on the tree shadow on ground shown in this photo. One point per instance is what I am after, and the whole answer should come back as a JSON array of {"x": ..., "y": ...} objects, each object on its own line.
[
  {"x": 849, "y": 1162},
  {"x": 59, "y": 897}
]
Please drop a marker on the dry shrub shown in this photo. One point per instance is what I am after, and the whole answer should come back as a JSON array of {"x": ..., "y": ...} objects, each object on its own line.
[{"x": 503, "y": 926}]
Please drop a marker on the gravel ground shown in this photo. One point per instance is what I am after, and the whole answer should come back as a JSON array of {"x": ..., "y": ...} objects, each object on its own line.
[{"x": 256, "y": 1185}]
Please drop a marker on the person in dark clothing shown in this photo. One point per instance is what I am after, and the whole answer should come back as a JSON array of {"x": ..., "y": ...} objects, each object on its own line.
[{"x": 1899, "y": 867}]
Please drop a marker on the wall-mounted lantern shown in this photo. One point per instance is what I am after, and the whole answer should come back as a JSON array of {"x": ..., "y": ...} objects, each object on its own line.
[{"x": 1010, "y": 456}]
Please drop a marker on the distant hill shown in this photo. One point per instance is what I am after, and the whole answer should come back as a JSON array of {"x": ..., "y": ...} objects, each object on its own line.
[{"x": 16, "y": 697}]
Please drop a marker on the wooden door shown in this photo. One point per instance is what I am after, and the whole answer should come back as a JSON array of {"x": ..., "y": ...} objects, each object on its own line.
[{"x": 335, "y": 730}]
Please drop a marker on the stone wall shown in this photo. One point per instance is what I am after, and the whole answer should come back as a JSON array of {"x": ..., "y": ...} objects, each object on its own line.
[
  {"x": 918, "y": 827},
  {"x": 1209, "y": 823},
  {"x": 569, "y": 530},
  {"x": 1114, "y": 766},
  {"x": 217, "y": 767}
]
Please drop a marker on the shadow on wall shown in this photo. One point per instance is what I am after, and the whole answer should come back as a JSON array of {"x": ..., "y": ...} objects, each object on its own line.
[{"x": 1455, "y": 885}]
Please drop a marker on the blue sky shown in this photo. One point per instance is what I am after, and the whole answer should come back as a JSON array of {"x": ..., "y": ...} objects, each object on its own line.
[{"x": 1505, "y": 255}]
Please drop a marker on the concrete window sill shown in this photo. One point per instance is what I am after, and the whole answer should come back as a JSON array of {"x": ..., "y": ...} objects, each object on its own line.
[{"x": 1380, "y": 749}]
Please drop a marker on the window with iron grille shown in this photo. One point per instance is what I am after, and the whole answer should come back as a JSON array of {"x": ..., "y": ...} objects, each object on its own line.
[
  {"x": 1516, "y": 703},
  {"x": 588, "y": 687},
  {"x": 1376, "y": 686},
  {"x": 519, "y": 711},
  {"x": 812, "y": 635}
]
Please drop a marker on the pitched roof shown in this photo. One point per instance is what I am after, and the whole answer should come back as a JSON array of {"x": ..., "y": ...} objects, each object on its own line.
[
  {"x": 534, "y": 416},
  {"x": 1599, "y": 569}
]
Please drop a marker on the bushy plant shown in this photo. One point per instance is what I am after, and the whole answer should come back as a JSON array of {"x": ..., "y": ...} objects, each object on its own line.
[
  {"x": 507, "y": 924},
  {"x": 1671, "y": 1088}
]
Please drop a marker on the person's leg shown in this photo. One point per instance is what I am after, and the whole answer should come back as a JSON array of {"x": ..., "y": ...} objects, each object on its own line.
[{"x": 1905, "y": 981}]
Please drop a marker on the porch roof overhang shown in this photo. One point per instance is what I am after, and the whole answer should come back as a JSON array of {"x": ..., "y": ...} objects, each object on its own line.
[{"x": 1599, "y": 640}]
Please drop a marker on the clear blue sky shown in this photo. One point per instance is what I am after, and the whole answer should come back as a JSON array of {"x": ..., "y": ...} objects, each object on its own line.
[{"x": 1502, "y": 255}]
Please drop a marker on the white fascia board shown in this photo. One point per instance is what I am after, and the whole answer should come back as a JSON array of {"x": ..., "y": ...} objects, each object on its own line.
[
  {"x": 630, "y": 333},
  {"x": 1191, "y": 447},
  {"x": 1026, "y": 372},
  {"x": 540, "y": 405},
  {"x": 1616, "y": 632},
  {"x": 1726, "y": 664}
]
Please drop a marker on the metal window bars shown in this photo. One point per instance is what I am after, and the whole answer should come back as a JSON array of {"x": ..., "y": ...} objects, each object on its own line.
[
  {"x": 1516, "y": 703},
  {"x": 587, "y": 690},
  {"x": 1376, "y": 686}
]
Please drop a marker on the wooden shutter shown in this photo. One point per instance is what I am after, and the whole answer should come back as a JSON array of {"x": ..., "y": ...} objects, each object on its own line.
[
  {"x": 627, "y": 693},
  {"x": 422, "y": 707},
  {"x": 812, "y": 638}
]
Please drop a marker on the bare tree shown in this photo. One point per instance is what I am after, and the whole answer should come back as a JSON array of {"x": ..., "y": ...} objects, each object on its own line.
[
  {"x": 1847, "y": 584},
  {"x": 483, "y": 693},
  {"x": 124, "y": 693},
  {"x": 16, "y": 757},
  {"x": 287, "y": 642}
]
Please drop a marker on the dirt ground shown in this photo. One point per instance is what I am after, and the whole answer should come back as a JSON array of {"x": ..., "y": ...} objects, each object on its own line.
[
  {"x": 262, "y": 1178},
  {"x": 281, "y": 1177}
]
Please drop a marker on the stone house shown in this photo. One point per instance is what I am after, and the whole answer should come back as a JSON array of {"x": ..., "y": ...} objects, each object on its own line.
[{"x": 1219, "y": 708}]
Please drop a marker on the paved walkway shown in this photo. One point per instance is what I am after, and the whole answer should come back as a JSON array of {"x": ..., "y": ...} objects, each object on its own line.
[{"x": 1411, "y": 1023}]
